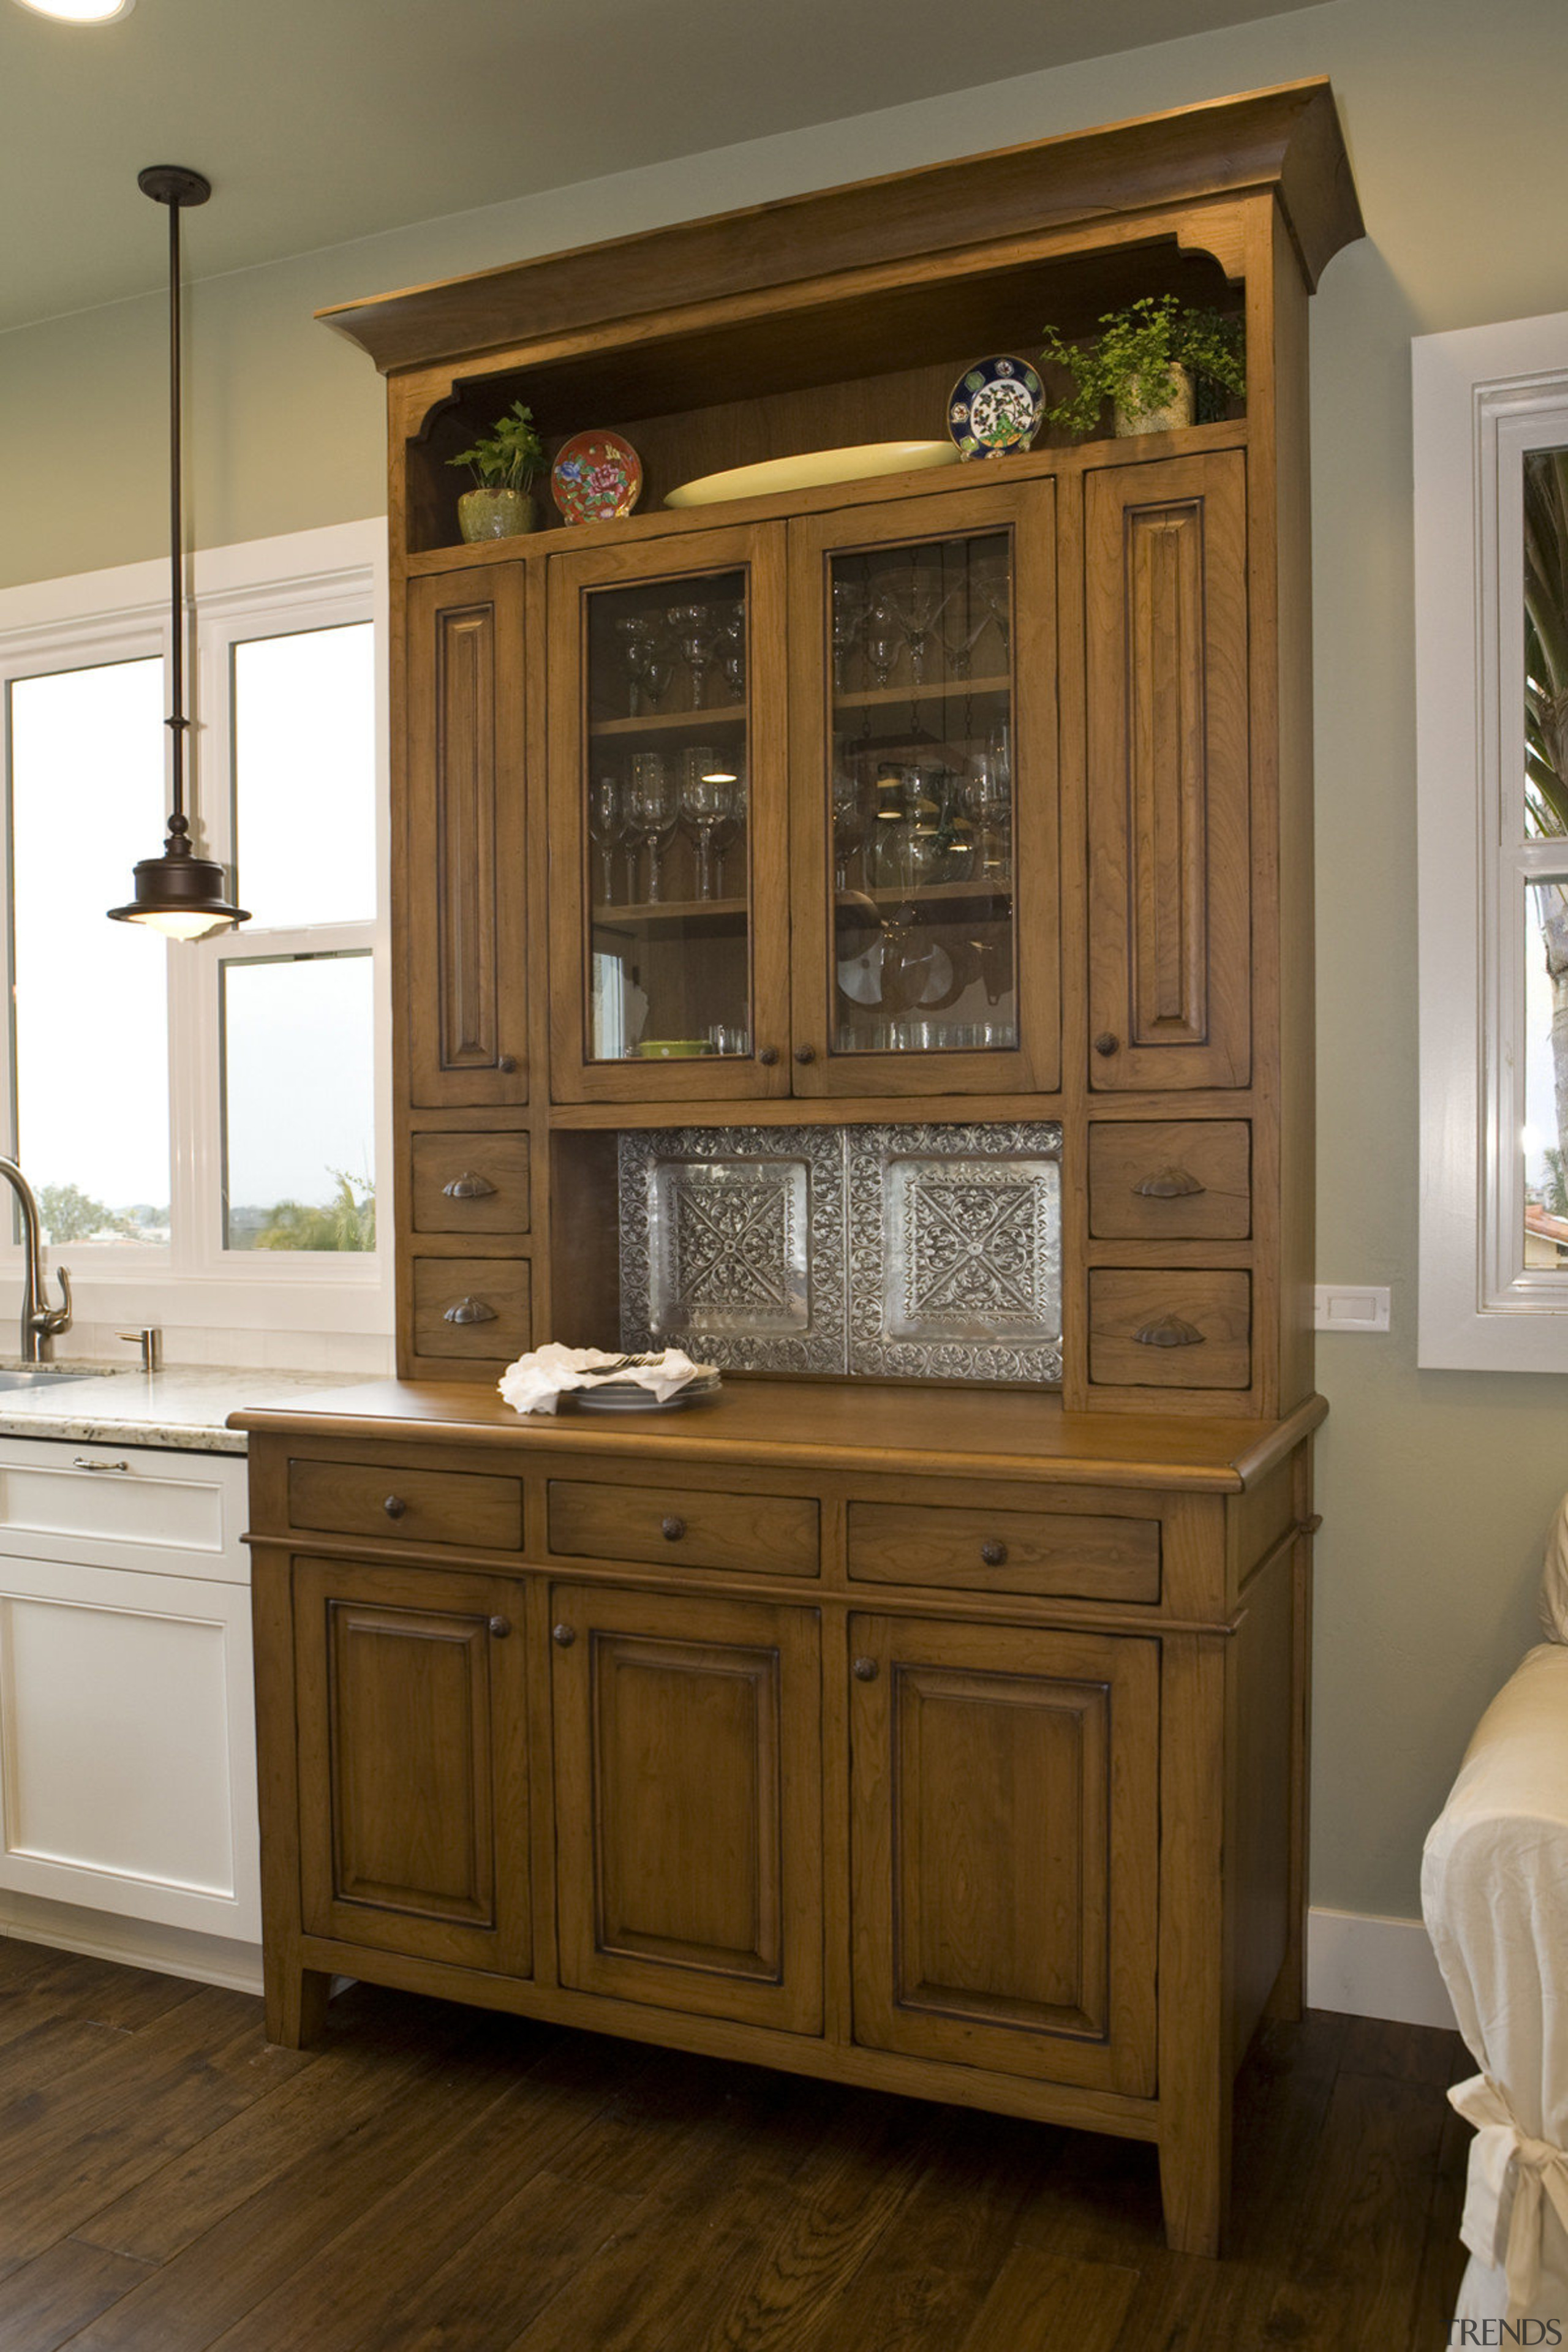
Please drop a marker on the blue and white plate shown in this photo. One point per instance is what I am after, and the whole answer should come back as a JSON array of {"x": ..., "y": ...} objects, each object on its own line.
[{"x": 995, "y": 407}]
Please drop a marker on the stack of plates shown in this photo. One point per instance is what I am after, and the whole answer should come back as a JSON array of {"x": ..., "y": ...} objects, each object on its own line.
[{"x": 630, "y": 1396}]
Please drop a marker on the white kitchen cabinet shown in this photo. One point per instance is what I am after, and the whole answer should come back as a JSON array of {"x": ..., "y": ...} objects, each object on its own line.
[{"x": 127, "y": 1747}]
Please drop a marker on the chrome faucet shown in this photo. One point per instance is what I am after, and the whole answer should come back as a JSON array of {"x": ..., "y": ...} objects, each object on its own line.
[{"x": 40, "y": 1322}]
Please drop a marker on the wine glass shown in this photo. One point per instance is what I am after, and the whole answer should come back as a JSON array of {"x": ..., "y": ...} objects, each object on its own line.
[
  {"x": 608, "y": 825},
  {"x": 918, "y": 603},
  {"x": 884, "y": 641},
  {"x": 991, "y": 582},
  {"x": 736, "y": 829},
  {"x": 987, "y": 796},
  {"x": 692, "y": 626},
  {"x": 850, "y": 618},
  {"x": 968, "y": 620},
  {"x": 707, "y": 805},
  {"x": 639, "y": 656},
  {"x": 854, "y": 803},
  {"x": 730, "y": 643},
  {"x": 653, "y": 808}
]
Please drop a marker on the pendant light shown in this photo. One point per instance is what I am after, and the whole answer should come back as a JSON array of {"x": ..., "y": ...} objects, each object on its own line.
[{"x": 177, "y": 893}]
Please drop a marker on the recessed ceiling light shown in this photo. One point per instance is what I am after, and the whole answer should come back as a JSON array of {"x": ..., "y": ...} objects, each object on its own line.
[{"x": 80, "y": 12}]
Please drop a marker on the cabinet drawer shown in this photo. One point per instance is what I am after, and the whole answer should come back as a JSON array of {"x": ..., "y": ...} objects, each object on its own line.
[
  {"x": 469, "y": 1183},
  {"x": 123, "y": 1507},
  {"x": 1049, "y": 1553},
  {"x": 426, "y": 1507},
  {"x": 471, "y": 1307},
  {"x": 1160, "y": 1179},
  {"x": 1148, "y": 1329},
  {"x": 770, "y": 1535}
]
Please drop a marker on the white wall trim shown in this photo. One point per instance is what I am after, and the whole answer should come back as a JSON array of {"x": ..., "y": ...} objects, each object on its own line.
[
  {"x": 130, "y": 1943},
  {"x": 1367, "y": 1967}
]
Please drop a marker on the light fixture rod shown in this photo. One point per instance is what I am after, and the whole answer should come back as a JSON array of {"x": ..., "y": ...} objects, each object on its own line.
[{"x": 173, "y": 184}]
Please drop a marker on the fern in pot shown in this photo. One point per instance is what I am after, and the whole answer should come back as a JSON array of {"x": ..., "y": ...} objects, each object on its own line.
[
  {"x": 1148, "y": 361},
  {"x": 504, "y": 463}
]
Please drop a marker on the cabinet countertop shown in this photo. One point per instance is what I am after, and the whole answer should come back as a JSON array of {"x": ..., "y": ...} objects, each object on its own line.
[
  {"x": 185, "y": 1409},
  {"x": 810, "y": 1424}
]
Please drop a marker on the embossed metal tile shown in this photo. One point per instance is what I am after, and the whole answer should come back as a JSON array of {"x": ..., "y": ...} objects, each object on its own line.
[
  {"x": 732, "y": 1245},
  {"x": 955, "y": 1251}
]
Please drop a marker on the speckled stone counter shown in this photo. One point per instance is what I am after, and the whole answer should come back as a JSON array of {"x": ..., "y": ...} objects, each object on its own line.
[{"x": 183, "y": 1408}]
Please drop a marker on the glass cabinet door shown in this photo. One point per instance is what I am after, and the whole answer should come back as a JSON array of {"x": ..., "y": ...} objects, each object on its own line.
[
  {"x": 669, "y": 820},
  {"x": 925, "y": 750}
]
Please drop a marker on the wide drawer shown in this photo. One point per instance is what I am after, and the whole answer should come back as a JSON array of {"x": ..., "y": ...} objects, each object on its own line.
[
  {"x": 1165, "y": 1180},
  {"x": 682, "y": 1526},
  {"x": 1070, "y": 1554},
  {"x": 1149, "y": 1328},
  {"x": 469, "y": 1184},
  {"x": 421, "y": 1507},
  {"x": 471, "y": 1307}
]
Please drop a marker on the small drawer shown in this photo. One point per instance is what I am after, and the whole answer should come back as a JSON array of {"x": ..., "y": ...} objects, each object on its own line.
[
  {"x": 469, "y": 1184},
  {"x": 1053, "y": 1553},
  {"x": 423, "y": 1507},
  {"x": 765, "y": 1535},
  {"x": 467, "y": 1307},
  {"x": 1176, "y": 1330},
  {"x": 1162, "y": 1179}
]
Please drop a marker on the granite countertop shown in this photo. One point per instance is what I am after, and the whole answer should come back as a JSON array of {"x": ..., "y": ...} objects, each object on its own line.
[{"x": 184, "y": 1408}]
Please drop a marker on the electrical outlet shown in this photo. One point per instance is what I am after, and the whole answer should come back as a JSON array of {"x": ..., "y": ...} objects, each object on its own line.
[{"x": 1350, "y": 1307}]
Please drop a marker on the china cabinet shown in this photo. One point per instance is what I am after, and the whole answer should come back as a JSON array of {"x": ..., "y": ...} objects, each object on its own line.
[{"x": 923, "y": 863}]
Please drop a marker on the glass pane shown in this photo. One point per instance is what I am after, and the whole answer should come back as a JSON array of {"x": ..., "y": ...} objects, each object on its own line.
[
  {"x": 304, "y": 767},
  {"x": 92, "y": 1048},
  {"x": 298, "y": 1114},
  {"x": 1546, "y": 643},
  {"x": 665, "y": 779},
  {"x": 922, "y": 798}
]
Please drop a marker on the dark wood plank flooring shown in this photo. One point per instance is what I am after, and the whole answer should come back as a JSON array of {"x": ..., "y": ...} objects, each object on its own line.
[{"x": 434, "y": 2179}]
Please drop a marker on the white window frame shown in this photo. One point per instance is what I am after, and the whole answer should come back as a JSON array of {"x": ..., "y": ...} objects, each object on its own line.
[
  {"x": 1483, "y": 397},
  {"x": 261, "y": 588}
]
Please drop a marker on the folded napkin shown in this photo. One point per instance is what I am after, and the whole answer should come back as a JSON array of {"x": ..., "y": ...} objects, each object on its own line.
[{"x": 535, "y": 1382}]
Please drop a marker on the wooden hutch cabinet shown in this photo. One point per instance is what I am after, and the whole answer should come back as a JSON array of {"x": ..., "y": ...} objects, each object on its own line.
[{"x": 941, "y": 1738}]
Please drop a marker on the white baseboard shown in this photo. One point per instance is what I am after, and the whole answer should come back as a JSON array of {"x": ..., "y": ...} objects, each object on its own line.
[
  {"x": 1374, "y": 1967},
  {"x": 134, "y": 1943}
]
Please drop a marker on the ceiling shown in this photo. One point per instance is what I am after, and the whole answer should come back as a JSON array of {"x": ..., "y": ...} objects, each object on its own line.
[{"x": 318, "y": 121}]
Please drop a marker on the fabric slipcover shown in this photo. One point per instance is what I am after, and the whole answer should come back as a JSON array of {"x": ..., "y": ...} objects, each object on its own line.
[{"x": 1494, "y": 1890}]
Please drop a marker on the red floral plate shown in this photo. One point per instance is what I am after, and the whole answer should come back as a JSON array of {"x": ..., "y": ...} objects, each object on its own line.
[{"x": 598, "y": 478}]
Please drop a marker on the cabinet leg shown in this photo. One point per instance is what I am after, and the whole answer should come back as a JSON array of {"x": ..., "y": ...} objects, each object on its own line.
[
  {"x": 295, "y": 2005},
  {"x": 1195, "y": 2179}
]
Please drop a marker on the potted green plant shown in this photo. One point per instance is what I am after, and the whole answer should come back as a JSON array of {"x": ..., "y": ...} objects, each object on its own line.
[
  {"x": 503, "y": 465},
  {"x": 1145, "y": 362}
]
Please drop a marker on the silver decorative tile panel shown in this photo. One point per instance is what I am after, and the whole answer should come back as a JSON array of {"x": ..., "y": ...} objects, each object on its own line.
[
  {"x": 955, "y": 1251},
  {"x": 732, "y": 1245}
]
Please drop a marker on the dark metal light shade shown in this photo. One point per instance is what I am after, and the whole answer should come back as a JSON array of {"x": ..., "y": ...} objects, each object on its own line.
[{"x": 179, "y": 894}]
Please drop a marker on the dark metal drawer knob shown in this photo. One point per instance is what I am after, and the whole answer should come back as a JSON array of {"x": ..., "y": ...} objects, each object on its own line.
[
  {"x": 500, "y": 1627},
  {"x": 767, "y": 1056},
  {"x": 994, "y": 1555},
  {"x": 394, "y": 1507},
  {"x": 507, "y": 1062},
  {"x": 1107, "y": 1043},
  {"x": 806, "y": 1052},
  {"x": 1169, "y": 1331},
  {"x": 467, "y": 1187},
  {"x": 564, "y": 1634},
  {"x": 1170, "y": 1184},
  {"x": 672, "y": 1529},
  {"x": 470, "y": 1310},
  {"x": 865, "y": 1670}
]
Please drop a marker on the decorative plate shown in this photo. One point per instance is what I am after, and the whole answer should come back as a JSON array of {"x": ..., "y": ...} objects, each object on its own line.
[
  {"x": 598, "y": 478},
  {"x": 811, "y": 470},
  {"x": 628, "y": 1396},
  {"x": 995, "y": 407}
]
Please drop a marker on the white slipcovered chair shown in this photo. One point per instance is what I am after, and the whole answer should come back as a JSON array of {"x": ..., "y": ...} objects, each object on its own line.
[{"x": 1494, "y": 1890}]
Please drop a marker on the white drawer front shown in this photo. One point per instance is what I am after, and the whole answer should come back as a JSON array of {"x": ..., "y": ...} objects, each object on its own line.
[
  {"x": 123, "y": 1505},
  {"x": 127, "y": 1777}
]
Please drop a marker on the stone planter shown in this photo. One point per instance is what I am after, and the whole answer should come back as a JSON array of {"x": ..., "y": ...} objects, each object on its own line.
[
  {"x": 1176, "y": 412},
  {"x": 496, "y": 514}
]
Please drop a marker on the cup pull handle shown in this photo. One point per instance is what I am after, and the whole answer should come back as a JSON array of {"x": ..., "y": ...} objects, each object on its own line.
[
  {"x": 1170, "y": 1184},
  {"x": 1169, "y": 1331},
  {"x": 470, "y": 1310},
  {"x": 469, "y": 1187}
]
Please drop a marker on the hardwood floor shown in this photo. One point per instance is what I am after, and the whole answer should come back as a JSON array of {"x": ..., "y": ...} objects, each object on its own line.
[{"x": 434, "y": 2179}]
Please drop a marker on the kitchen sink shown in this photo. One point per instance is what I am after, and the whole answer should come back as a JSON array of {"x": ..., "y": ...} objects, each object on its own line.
[{"x": 44, "y": 1375}]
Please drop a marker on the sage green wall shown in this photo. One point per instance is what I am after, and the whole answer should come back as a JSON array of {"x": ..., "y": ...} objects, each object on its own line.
[{"x": 1435, "y": 1487}]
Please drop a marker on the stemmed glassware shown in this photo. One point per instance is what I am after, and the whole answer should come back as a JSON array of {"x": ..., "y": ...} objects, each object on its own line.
[
  {"x": 849, "y": 618},
  {"x": 730, "y": 643},
  {"x": 884, "y": 640},
  {"x": 991, "y": 587},
  {"x": 695, "y": 640},
  {"x": 918, "y": 603},
  {"x": 707, "y": 796},
  {"x": 653, "y": 810},
  {"x": 987, "y": 796},
  {"x": 646, "y": 661},
  {"x": 607, "y": 826},
  {"x": 854, "y": 814}
]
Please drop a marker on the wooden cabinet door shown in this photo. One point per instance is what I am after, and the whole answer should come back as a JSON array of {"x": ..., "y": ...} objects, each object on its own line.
[
  {"x": 1004, "y": 1848},
  {"x": 463, "y": 907},
  {"x": 924, "y": 834},
  {"x": 413, "y": 1795},
  {"x": 1169, "y": 839},
  {"x": 668, "y": 883},
  {"x": 688, "y": 1798}
]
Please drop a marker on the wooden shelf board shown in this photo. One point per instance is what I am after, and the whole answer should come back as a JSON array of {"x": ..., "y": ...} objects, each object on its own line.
[{"x": 665, "y": 722}]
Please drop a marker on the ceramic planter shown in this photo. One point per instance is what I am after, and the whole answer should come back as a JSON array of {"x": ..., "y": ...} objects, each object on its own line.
[
  {"x": 1176, "y": 414},
  {"x": 496, "y": 514}
]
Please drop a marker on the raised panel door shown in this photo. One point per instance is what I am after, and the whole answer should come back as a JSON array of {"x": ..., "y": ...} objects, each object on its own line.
[
  {"x": 688, "y": 1821},
  {"x": 413, "y": 1795},
  {"x": 1169, "y": 835},
  {"x": 1004, "y": 1848},
  {"x": 464, "y": 912}
]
